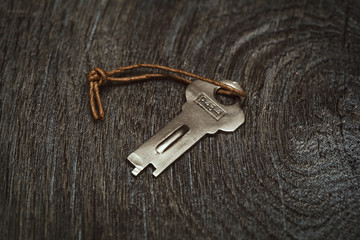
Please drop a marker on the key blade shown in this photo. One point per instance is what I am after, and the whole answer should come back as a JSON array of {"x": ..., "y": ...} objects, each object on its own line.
[{"x": 166, "y": 146}]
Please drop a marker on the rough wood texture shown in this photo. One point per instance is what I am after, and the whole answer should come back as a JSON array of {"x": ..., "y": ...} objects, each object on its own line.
[{"x": 291, "y": 171}]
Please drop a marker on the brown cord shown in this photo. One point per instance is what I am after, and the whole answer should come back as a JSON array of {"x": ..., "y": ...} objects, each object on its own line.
[{"x": 98, "y": 77}]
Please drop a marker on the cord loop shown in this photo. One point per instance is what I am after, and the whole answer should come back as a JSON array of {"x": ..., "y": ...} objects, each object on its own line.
[{"x": 98, "y": 77}]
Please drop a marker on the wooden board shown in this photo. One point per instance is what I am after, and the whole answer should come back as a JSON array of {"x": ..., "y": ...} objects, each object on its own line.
[{"x": 292, "y": 170}]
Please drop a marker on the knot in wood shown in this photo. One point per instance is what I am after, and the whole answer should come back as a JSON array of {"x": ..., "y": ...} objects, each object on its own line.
[{"x": 98, "y": 76}]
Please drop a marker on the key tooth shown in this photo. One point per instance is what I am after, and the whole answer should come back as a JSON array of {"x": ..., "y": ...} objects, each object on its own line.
[{"x": 201, "y": 114}]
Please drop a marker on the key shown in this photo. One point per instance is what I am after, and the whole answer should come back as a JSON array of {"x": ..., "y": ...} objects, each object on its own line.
[{"x": 202, "y": 114}]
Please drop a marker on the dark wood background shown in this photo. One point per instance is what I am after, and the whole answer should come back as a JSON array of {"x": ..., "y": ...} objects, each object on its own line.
[{"x": 292, "y": 170}]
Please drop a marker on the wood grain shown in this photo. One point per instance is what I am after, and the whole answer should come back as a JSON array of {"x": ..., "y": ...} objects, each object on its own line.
[{"x": 292, "y": 170}]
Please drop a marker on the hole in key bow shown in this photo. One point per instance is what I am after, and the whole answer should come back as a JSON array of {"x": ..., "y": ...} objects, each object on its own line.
[{"x": 225, "y": 99}]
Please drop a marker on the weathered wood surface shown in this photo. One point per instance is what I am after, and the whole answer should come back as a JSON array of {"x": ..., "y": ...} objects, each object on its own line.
[{"x": 291, "y": 171}]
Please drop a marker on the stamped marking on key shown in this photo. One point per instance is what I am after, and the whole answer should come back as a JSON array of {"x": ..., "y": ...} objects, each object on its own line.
[
  {"x": 200, "y": 115},
  {"x": 210, "y": 106}
]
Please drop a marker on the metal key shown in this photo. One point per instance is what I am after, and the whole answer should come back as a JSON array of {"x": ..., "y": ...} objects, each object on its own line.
[{"x": 200, "y": 115}]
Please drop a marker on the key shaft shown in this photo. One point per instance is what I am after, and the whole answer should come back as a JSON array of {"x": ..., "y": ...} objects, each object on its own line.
[{"x": 168, "y": 144}]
